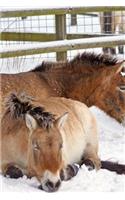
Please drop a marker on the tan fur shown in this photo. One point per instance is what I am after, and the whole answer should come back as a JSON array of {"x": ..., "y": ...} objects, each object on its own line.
[
  {"x": 102, "y": 90},
  {"x": 17, "y": 83},
  {"x": 78, "y": 134}
]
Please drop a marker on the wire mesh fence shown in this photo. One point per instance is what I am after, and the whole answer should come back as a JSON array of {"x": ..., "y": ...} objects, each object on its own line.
[{"x": 82, "y": 25}]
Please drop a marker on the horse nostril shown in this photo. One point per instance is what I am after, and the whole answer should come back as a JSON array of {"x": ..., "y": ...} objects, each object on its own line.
[
  {"x": 40, "y": 187},
  {"x": 57, "y": 184},
  {"x": 49, "y": 184},
  {"x": 53, "y": 187},
  {"x": 62, "y": 176}
]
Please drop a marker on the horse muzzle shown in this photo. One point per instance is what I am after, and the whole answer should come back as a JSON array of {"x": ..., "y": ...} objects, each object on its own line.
[{"x": 49, "y": 186}]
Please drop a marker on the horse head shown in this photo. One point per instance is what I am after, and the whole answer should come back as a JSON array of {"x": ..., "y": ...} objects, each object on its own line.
[
  {"x": 101, "y": 82},
  {"x": 110, "y": 94},
  {"x": 45, "y": 150}
]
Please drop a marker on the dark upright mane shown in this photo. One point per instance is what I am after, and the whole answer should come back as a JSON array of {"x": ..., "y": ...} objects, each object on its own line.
[
  {"x": 47, "y": 66},
  {"x": 43, "y": 118},
  {"x": 20, "y": 104},
  {"x": 94, "y": 60},
  {"x": 86, "y": 58}
]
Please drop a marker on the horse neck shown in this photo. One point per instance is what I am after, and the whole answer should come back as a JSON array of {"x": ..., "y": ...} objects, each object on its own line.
[
  {"x": 74, "y": 82},
  {"x": 59, "y": 80},
  {"x": 86, "y": 87}
]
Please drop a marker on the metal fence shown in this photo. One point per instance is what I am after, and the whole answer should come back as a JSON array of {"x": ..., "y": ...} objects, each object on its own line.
[{"x": 27, "y": 36}]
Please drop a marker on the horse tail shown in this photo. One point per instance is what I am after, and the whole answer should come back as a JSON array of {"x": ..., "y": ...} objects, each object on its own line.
[{"x": 113, "y": 166}]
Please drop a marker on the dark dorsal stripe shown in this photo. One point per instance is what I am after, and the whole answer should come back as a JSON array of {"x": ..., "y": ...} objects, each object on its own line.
[
  {"x": 20, "y": 104},
  {"x": 86, "y": 58}
]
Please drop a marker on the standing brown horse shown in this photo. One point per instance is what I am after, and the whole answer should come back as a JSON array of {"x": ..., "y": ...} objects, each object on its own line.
[
  {"x": 89, "y": 78},
  {"x": 38, "y": 143}
]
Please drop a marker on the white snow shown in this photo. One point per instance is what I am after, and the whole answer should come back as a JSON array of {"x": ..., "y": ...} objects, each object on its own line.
[{"x": 111, "y": 143}]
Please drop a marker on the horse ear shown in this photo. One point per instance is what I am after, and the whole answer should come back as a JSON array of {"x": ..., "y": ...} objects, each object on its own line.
[
  {"x": 123, "y": 67},
  {"x": 61, "y": 120},
  {"x": 30, "y": 122},
  {"x": 119, "y": 67}
]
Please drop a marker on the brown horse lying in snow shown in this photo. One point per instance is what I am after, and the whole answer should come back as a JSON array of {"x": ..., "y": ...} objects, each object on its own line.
[
  {"x": 37, "y": 143},
  {"x": 89, "y": 78}
]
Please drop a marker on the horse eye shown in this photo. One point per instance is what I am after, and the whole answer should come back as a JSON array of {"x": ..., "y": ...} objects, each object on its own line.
[
  {"x": 35, "y": 146},
  {"x": 121, "y": 88},
  {"x": 60, "y": 146}
]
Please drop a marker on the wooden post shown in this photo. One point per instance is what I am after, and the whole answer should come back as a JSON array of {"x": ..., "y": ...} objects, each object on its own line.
[
  {"x": 107, "y": 28},
  {"x": 60, "y": 21},
  {"x": 73, "y": 20}
]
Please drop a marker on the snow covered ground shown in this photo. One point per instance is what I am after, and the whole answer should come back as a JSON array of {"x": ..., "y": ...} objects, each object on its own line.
[{"x": 112, "y": 143}]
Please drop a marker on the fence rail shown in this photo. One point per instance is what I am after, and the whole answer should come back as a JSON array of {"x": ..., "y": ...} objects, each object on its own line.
[
  {"x": 38, "y": 37},
  {"x": 58, "y": 11},
  {"x": 61, "y": 46}
]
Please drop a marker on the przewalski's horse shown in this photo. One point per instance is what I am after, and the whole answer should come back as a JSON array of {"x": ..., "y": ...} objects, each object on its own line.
[
  {"x": 37, "y": 143},
  {"x": 114, "y": 23},
  {"x": 90, "y": 78}
]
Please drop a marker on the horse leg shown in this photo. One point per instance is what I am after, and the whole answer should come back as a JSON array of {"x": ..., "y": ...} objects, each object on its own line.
[
  {"x": 121, "y": 49},
  {"x": 90, "y": 158},
  {"x": 12, "y": 171},
  {"x": 113, "y": 50},
  {"x": 69, "y": 172},
  {"x": 109, "y": 50},
  {"x": 105, "y": 50}
]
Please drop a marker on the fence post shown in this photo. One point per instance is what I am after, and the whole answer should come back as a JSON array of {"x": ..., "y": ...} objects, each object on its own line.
[
  {"x": 73, "y": 20},
  {"x": 107, "y": 28},
  {"x": 60, "y": 21}
]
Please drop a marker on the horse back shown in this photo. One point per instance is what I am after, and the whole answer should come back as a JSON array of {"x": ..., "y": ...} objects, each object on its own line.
[{"x": 28, "y": 82}]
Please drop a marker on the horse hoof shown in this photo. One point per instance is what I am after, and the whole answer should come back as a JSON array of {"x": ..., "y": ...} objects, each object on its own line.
[
  {"x": 89, "y": 164},
  {"x": 13, "y": 172},
  {"x": 73, "y": 169},
  {"x": 40, "y": 187},
  {"x": 121, "y": 50},
  {"x": 69, "y": 172}
]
